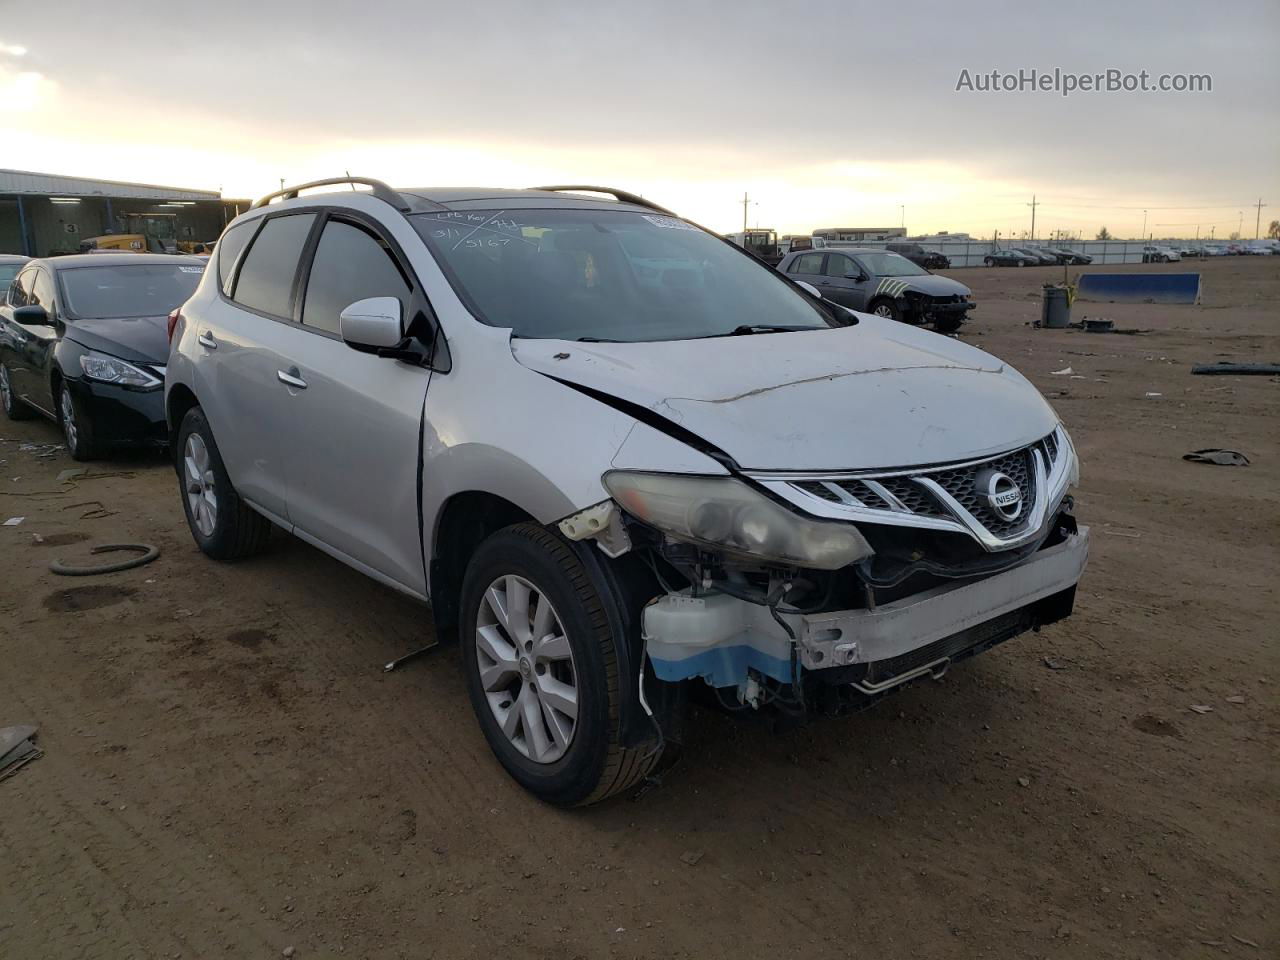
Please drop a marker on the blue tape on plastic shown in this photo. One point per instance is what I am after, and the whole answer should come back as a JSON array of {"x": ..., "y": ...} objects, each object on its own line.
[
  {"x": 1139, "y": 287},
  {"x": 722, "y": 666}
]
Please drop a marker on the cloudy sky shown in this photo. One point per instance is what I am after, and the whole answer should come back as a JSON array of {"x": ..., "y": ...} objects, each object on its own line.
[{"x": 835, "y": 113}]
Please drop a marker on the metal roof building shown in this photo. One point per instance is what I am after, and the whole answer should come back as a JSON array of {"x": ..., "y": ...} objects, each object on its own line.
[{"x": 44, "y": 214}]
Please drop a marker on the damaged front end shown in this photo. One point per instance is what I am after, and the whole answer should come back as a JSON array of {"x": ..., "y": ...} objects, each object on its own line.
[{"x": 820, "y": 592}]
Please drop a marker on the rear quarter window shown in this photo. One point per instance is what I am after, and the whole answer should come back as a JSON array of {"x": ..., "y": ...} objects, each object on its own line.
[
  {"x": 228, "y": 248},
  {"x": 265, "y": 280}
]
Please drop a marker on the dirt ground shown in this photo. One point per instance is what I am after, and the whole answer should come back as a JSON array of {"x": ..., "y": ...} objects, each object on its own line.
[{"x": 228, "y": 772}]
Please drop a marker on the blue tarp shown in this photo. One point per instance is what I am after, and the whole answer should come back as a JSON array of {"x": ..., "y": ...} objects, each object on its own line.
[{"x": 1139, "y": 287}]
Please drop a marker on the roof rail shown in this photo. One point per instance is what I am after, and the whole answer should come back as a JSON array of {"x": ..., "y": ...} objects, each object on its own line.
[
  {"x": 620, "y": 195},
  {"x": 380, "y": 190}
]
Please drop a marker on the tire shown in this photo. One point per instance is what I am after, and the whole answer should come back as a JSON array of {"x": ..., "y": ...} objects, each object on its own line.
[
  {"x": 886, "y": 308},
  {"x": 222, "y": 525},
  {"x": 565, "y": 760},
  {"x": 14, "y": 408},
  {"x": 988, "y": 261},
  {"x": 76, "y": 426}
]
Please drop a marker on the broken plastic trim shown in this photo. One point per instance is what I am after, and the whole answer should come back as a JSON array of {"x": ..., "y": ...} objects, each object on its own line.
[{"x": 601, "y": 522}]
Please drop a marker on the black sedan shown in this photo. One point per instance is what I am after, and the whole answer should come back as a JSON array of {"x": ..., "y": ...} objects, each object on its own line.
[
  {"x": 84, "y": 341},
  {"x": 1010, "y": 258}
]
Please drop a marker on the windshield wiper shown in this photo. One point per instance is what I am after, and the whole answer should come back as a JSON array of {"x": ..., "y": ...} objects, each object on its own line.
[{"x": 748, "y": 329}]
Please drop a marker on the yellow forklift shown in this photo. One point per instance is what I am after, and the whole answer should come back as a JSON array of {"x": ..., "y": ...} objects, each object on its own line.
[{"x": 146, "y": 233}]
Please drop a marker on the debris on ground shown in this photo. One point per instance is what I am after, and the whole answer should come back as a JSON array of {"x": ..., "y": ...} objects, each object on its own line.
[
  {"x": 1236, "y": 699},
  {"x": 14, "y": 521},
  {"x": 1064, "y": 372},
  {"x": 1024, "y": 781},
  {"x": 146, "y": 553},
  {"x": 1223, "y": 458},
  {"x": 1153, "y": 394},
  {"x": 70, "y": 474},
  {"x": 691, "y": 857},
  {"x": 1053, "y": 664},
  {"x": 1201, "y": 708},
  {"x": 1237, "y": 369},
  {"x": 1247, "y": 943},
  {"x": 17, "y": 749}
]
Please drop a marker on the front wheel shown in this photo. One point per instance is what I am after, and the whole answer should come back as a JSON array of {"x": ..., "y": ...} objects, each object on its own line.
[
  {"x": 988, "y": 261},
  {"x": 76, "y": 426},
  {"x": 14, "y": 408},
  {"x": 223, "y": 525},
  {"x": 542, "y": 669},
  {"x": 887, "y": 309}
]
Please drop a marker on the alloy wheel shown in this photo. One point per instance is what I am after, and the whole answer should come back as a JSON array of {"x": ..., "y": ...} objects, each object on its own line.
[
  {"x": 884, "y": 310},
  {"x": 202, "y": 498},
  {"x": 526, "y": 668},
  {"x": 69, "y": 428}
]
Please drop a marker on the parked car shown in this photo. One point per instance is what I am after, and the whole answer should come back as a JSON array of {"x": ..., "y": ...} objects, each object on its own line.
[
  {"x": 83, "y": 342},
  {"x": 10, "y": 264},
  {"x": 1261, "y": 248},
  {"x": 883, "y": 283},
  {"x": 1010, "y": 258},
  {"x": 1160, "y": 254},
  {"x": 618, "y": 455},
  {"x": 929, "y": 259},
  {"x": 1040, "y": 258},
  {"x": 1069, "y": 256},
  {"x": 1048, "y": 255}
]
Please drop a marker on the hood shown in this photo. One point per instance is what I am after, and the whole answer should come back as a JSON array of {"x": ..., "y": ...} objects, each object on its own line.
[
  {"x": 878, "y": 394},
  {"x": 144, "y": 339},
  {"x": 931, "y": 284}
]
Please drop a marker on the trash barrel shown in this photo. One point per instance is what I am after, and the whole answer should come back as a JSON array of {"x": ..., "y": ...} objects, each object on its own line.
[{"x": 1055, "y": 310}]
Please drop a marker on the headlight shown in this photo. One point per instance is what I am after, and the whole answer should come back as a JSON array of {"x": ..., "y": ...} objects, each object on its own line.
[
  {"x": 1073, "y": 462},
  {"x": 728, "y": 515},
  {"x": 98, "y": 366}
]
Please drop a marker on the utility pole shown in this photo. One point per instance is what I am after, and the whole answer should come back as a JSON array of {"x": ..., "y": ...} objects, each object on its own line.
[
  {"x": 1144, "y": 225},
  {"x": 1257, "y": 226},
  {"x": 745, "y": 202},
  {"x": 1240, "y": 225},
  {"x": 902, "y": 207},
  {"x": 1033, "y": 206}
]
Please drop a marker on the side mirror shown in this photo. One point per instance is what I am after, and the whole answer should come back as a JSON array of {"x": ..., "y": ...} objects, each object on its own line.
[
  {"x": 810, "y": 288},
  {"x": 32, "y": 315},
  {"x": 859, "y": 277},
  {"x": 372, "y": 322}
]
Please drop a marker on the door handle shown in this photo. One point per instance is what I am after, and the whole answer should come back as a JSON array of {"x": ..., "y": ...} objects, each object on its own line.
[
  {"x": 291, "y": 378},
  {"x": 206, "y": 340}
]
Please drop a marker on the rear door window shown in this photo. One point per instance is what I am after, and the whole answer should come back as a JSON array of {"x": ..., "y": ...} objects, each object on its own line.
[
  {"x": 42, "y": 292},
  {"x": 229, "y": 247},
  {"x": 809, "y": 265},
  {"x": 266, "y": 277},
  {"x": 351, "y": 263}
]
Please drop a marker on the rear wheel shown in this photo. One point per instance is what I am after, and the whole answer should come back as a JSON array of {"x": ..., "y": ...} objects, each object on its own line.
[
  {"x": 14, "y": 408},
  {"x": 542, "y": 669},
  {"x": 223, "y": 525},
  {"x": 76, "y": 426}
]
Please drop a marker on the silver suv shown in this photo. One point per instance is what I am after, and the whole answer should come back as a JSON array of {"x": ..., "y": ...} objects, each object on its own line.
[{"x": 621, "y": 458}]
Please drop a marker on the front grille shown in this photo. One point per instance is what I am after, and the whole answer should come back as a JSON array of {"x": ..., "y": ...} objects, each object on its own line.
[
  {"x": 962, "y": 484},
  {"x": 913, "y": 496},
  {"x": 957, "y": 498}
]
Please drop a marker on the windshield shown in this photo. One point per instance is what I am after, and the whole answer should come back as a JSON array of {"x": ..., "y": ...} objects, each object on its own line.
[
  {"x": 890, "y": 265},
  {"x": 128, "y": 290},
  {"x": 608, "y": 275}
]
